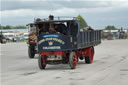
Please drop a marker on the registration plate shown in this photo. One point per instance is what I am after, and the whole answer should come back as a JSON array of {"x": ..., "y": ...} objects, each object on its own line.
[{"x": 54, "y": 57}]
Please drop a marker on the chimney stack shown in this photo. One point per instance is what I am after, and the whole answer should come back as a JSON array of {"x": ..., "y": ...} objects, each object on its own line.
[{"x": 51, "y": 17}]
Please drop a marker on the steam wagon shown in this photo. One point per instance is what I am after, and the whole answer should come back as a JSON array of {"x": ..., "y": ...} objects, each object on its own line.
[{"x": 60, "y": 41}]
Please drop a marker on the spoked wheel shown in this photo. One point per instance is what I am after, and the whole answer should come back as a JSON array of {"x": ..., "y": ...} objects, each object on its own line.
[
  {"x": 72, "y": 60},
  {"x": 41, "y": 62},
  {"x": 31, "y": 52},
  {"x": 89, "y": 59}
]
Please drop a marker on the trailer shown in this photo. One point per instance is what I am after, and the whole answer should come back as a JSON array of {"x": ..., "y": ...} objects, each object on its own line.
[{"x": 62, "y": 42}]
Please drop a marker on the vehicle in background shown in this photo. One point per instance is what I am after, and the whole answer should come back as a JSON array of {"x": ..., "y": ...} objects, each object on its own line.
[
  {"x": 122, "y": 34},
  {"x": 32, "y": 40},
  {"x": 25, "y": 36},
  {"x": 2, "y": 38},
  {"x": 114, "y": 34},
  {"x": 10, "y": 36}
]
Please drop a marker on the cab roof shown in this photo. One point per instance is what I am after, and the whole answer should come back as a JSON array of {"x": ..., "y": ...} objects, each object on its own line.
[{"x": 52, "y": 21}]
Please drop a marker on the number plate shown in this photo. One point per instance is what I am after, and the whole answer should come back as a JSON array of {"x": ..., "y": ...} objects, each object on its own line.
[{"x": 53, "y": 57}]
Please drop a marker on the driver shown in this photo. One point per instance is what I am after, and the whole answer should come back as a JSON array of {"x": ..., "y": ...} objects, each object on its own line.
[{"x": 52, "y": 29}]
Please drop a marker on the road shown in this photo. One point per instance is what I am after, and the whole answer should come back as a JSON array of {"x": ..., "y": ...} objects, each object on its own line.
[{"x": 110, "y": 67}]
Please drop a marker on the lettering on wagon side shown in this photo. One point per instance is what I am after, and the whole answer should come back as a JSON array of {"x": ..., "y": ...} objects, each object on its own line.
[
  {"x": 54, "y": 39},
  {"x": 51, "y": 47}
]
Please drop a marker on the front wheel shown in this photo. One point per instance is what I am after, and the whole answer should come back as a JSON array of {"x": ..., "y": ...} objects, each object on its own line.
[
  {"x": 31, "y": 51},
  {"x": 41, "y": 62},
  {"x": 72, "y": 60}
]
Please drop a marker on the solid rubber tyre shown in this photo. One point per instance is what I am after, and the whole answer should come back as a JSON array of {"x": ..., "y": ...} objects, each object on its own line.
[
  {"x": 89, "y": 59},
  {"x": 40, "y": 62},
  {"x": 31, "y": 52},
  {"x": 72, "y": 60}
]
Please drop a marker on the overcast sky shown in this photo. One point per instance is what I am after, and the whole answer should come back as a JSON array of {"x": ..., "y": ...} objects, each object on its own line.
[{"x": 97, "y": 13}]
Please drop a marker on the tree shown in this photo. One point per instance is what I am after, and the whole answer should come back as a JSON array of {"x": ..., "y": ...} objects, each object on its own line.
[
  {"x": 0, "y": 26},
  {"x": 109, "y": 27},
  {"x": 19, "y": 27},
  {"x": 9, "y": 27},
  {"x": 12, "y": 27},
  {"x": 83, "y": 23}
]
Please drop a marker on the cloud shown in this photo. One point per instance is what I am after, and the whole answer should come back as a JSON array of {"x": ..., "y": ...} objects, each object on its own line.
[
  {"x": 35, "y": 13},
  {"x": 27, "y": 15},
  {"x": 56, "y": 4},
  {"x": 27, "y": 8},
  {"x": 98, "y": 13}
]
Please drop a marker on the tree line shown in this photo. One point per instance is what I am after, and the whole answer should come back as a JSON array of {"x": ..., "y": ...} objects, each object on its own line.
[
  {"x": 12, "y": 27},
  {"x": 111, "y": 27},
  {"x": 83, "y": 24}
]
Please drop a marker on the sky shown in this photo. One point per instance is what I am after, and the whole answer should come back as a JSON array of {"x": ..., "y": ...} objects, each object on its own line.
[{"x": 97, "y": 13}]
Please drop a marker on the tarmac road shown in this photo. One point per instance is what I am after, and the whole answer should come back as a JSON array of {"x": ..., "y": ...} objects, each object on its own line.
[{"x": 110, "y": 67}]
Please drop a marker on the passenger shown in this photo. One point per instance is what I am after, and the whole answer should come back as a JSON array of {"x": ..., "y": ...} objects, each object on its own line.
[
  {"x": 57, "y": 28},
  {"x": 61, "y": 28},
  {"x": 52, "y": 29}
]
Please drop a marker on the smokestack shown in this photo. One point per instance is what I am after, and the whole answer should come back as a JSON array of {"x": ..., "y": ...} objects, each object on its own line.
[{"x": 51, "y": 17}]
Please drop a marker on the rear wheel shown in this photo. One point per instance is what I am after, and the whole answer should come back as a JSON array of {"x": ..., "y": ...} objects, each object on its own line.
[
  {"x": 89, "y": 59},
  {"x": 41, "y": 62},
  {"x": 72, "y": 60},
  {"x": 31, "y": 51}
]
